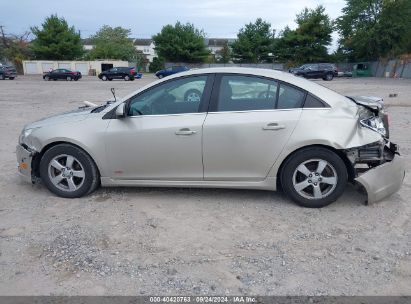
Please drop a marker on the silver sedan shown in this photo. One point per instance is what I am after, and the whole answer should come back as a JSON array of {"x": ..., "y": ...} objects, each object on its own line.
[{"x": 221, "y": 127}]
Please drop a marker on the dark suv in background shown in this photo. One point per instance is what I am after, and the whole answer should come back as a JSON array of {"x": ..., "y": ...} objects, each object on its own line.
[
  {"x": 7, "y": 71},
  {"x": 171, "y": 70},
  {"x": 126, "y": 73},
  {"x": 326, "y": 71}
]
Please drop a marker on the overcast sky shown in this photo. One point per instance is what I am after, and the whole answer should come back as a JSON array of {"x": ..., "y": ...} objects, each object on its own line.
[{"x": 218, "y": 18}]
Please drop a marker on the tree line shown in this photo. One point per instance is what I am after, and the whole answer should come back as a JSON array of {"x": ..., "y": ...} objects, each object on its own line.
[{"x": 368, "y": 30}]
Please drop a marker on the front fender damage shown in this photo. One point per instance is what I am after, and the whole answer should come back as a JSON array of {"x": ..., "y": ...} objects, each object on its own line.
[{"x": 379, "y": 169}]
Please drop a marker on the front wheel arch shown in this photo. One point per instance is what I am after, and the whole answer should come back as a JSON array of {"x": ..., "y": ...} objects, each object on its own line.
[{"x": 35, "y": 163}]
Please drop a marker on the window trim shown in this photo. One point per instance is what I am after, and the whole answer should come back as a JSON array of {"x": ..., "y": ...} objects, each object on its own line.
[{"x": 204, "y": 103}]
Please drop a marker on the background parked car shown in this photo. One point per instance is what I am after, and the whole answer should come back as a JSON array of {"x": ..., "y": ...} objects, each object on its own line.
[
  {"x": 7, "y": 71},
  {"x": 62, "y": 74},
  {"x": 326, "y": 71},
  {"x": 171, "y": 70},
  {"x": 126, "y": 73}
]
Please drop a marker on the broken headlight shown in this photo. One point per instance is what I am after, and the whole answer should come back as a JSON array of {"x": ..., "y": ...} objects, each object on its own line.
[{"x": 374, "y": 123}]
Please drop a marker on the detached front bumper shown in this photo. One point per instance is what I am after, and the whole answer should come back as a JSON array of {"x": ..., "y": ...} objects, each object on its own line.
[
  {"x": 384, "y": 180},
  {"x": 24, "y": 158}
]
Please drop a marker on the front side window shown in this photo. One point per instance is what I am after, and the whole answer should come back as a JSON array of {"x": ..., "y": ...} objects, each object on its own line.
[
  {"x": 178, "y": 96},
  {"x": 244, "y": 93}
]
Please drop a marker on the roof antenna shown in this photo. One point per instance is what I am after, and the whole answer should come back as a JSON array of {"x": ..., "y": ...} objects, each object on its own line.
[{"x": 113, "y": 91}]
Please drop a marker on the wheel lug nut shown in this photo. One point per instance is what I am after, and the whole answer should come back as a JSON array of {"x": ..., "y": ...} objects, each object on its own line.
[
  {"x": 309, "y": 181},
  {"x": 310, "y": 175},
  {"x": 315, "y": 184}
]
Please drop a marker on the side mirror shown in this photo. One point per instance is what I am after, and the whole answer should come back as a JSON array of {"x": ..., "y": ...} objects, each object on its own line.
[{"x": 121, "y": 111}]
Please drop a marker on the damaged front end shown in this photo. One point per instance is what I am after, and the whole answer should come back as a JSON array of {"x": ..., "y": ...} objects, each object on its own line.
[{"x": 377, "y": 167}]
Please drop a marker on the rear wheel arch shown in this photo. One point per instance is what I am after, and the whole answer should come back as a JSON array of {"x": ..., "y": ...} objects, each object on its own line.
[
  {"x": 313, "y": 176},
  {"x": 340, "y": 153}
]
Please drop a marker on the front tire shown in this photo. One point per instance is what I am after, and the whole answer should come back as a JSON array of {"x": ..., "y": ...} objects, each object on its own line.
[
  {"x": 314, "y": 177},
  {"x": 68, "y": 171},
  {"x": 46, "y": 78},
  {"x": 2, "y": 77},
  {"x": 126, "y": 78},
  {"x": 104, "y": 78},
  {"x": 69, "y": 78}
]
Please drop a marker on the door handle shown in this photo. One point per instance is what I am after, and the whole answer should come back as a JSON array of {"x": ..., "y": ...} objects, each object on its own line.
[
  {"x": 273, "y": 126},
  {"x": 185, "y": 131}
]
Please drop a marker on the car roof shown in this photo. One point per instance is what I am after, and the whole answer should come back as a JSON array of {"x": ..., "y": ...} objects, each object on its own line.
[{"x": 318, "y": 90}]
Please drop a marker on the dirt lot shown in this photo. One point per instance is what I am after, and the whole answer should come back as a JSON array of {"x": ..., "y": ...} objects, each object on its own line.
[{"x": 188, "y": 241}]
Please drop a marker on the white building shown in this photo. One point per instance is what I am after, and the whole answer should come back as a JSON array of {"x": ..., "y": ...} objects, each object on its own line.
[
  {"x": 31, "y": 67},
  {"x": 87, "y": 44},
  {"x": 215, "y": 45},
  {"x": 146, "y": 46}
]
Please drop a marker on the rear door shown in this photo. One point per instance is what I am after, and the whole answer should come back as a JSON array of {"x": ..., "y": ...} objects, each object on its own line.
[{"x": 249, "y": 122}]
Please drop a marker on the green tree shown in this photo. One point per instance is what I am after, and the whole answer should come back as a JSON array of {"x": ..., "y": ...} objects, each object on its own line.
[
  {"x": 253, "y": 42},
  {"x": 309, "y": 41},
  {"x": 181, "y": 43},
  {"x": 14, "y": 48},
  {"x": 157, "y": 64},
  {"x": 113, "y": 43},
  {"x": 56, "y": 40},
  {"x": 371, "y": 29},
  {"x": 224, "y": 55}
]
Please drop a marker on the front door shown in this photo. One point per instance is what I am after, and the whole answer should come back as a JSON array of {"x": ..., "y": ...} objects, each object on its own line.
[
  {"x": 250, "y": 121},
  {"x": 161, "y": 137}
]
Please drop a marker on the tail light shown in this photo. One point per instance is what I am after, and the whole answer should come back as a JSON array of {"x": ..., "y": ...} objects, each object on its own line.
[{"x": 132, "y": 71}]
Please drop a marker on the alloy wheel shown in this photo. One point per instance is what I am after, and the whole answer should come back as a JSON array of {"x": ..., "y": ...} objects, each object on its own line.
[
  {"x": 315, "y": 179},
  {"x": 66, "y": 172},
  {"x": 193, "y": 97}
]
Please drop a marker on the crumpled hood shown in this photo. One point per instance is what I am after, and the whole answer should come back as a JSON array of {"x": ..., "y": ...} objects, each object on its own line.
[
  {"x": 374, "y": 102},
  {"x": 67, "y": 117}
]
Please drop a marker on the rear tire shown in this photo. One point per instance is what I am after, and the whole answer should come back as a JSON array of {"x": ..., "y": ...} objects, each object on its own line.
[
  {"x": 314, "y": 177},
  {"x": 160, "y": 76},
  {"x": 68, "y": 171},
  {"x": 126, "y": 78},
  {"x": 2, "y": 77},
  {"x": 104, "y": 78},
  {"x": 46, "y": 78},
  {"x": 68, "y": 78},
  {"x": 11, "y": 78}
]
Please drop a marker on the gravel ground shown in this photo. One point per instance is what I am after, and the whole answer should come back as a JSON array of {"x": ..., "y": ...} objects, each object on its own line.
[{"x": 150, "y": 241}]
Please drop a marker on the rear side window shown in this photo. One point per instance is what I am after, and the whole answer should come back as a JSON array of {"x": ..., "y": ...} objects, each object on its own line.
[
  {"x": 290, "y": 97},
  {"x": 313, "y": 102},
  {"x": 245, "y": 93}
]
